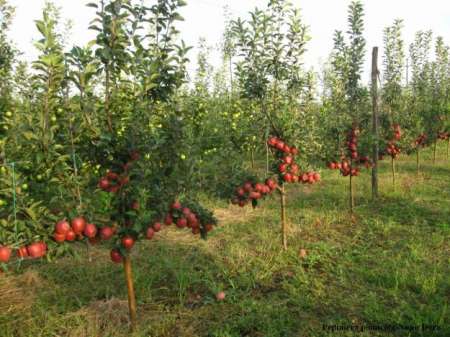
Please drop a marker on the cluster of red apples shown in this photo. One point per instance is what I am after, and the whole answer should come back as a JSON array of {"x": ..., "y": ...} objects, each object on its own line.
[
  {"x": 253, "y": 191},
  {"x": 349, "y": 165},
  {"x": 421, "y": 140},
  {"x": 78, "y": 229},
  {"x": 112, "y": 182},
  {"x": 288, "y": 169},
  {"x": 181, "y": 216},
  {"x": 444, "y": 135},
  {"x": 392, "y": 148},
  {"x": 34, "y": 250}
]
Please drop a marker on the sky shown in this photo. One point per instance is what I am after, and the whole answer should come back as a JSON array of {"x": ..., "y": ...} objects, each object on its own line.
[{"x": 205, "y": 18}]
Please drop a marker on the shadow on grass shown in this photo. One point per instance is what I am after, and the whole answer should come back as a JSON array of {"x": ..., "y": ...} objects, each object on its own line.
[{"x": 175, "y": 284}]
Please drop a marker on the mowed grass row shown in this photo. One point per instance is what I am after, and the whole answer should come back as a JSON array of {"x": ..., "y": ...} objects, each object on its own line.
[{"x": 388, "y": 264}]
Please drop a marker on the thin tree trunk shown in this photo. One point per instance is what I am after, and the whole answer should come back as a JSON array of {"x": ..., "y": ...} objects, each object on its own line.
[
  {"x": 267, "y": 159},
  {"x": 393, "y": 171},
  {"x": 351, "y": 192},
  {"x": 231, "y": 75},
  {"x": 434, "y": 152},
  {"x": 283, "y": 217},
  {"x": 131, "y": 294},
  {"x": 375, "y": 148},
  {"x": 252, "y": 157},
  {"x": 107, "y": 101},
  {"x": 448, "y": 147},
  {"x": 418, "y": 160}
]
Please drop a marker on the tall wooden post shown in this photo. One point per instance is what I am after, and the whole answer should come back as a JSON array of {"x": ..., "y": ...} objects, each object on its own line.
[{"x": 375, "y": 149}]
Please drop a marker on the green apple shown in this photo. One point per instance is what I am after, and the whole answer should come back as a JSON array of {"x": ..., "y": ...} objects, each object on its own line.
[{"x": 8, "y": 114}]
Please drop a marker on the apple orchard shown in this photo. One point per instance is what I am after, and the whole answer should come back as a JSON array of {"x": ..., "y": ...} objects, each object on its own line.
[{"x": 112, "y": 143}]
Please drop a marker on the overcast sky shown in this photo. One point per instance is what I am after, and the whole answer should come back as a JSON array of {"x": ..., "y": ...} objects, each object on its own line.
[{"x": 204, "y": 18}]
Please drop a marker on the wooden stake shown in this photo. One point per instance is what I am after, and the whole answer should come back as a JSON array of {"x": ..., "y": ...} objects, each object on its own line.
[
  {"x": 131, "y": 294},
  {"x": 375, "y": 148}
]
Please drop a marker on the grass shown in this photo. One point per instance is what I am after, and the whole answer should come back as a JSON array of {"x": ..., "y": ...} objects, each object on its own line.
[{"x": 389, "y": 264}]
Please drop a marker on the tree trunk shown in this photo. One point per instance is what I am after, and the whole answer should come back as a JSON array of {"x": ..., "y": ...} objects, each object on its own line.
[
  {"x": 131, "y": 294},
  {"x": 393, "y": 171},
  {"x": 434, "y": 152},
  {"x": 375, "y": 148},
  {"x": 351, "y": 192},
  {"x": 283, "y": 217},
  {"x": 252, "y": 157},
  {"x": 418, "y": 160},
  {"x": 230, "y": 65},
  {"x": 267, "y": 159},
  {"x": 107, "y": 99},
  {"x": 448, "y": 147}
]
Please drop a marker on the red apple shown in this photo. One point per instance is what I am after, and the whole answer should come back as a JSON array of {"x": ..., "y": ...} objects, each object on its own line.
[
  {"x": 288, "y": 160},
  {"x": 5, "y": 254},
  {"x": 220, "y": 296},
  {"x": 59, "y": 237},
  {"x": 116, "y": 257},
  {"x": 71, "y": 236},
  {"x": 127, "y": 242},
  {"x": 240, "y": 192},
  {"x": 181, "y": 222},
  {"x": 22, "y": 252},
  {"x": 103, "y": 183},
  {"x": 35, "y": 250},
  {"x": 176, "y": 205},
  {"x": 112, "y": 175},
  {"x": 62, "y": 227},
  {"x": 106, "y": 233},
  {"x": 186, "y": 211},
  {"x": 90, "y": 231},
  {"x": 157, "y": 226},
  {"x": 248, "y": 186},
  {"x": 168, "y": 220},
  {"x": 78, "y": 225},
  {"x": 150, "y": 233}
]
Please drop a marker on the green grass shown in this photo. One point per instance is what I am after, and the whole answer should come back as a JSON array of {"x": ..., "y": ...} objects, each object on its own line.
[{"x": 387, "y": 265}]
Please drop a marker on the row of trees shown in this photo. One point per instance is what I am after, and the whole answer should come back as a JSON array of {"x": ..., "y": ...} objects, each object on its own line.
[{"x": 79, "y": 112}]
